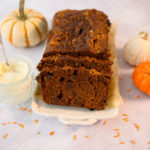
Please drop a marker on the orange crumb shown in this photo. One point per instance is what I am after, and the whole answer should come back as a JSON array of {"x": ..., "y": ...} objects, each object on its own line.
[
  {"x": 87, "y": 136},
  {"x": 23, "y": 109},
  {"x": 105, "y": 122},
  {"x": 14, "y": 122},
  {"x": 133, "y": 142},
  {"x": 29, "y": 110},
  {"x": 121, "y": 78},
  {"x": 118, "y": 134},
  {"x": 8, "y": 122},
  {"x": 122, "y": 142},
  {"x": 116, "y": 129},
  {"x": 5, "y": 136},
  {"x": 68, "y": 125},
  {"x": 35, "y": 121},
  {"x": 3, "y": 124},
  {"x": 126, "y": 119},
  {"x": 75, "y": 137},
  {"x": 38, "y": 132},
  {"x": 137, "y": 126},
  {"x": 129, "y": 90},
  {"x": 138, "y": 96},
  {"x": 21, "y": 125},
  {"x": 51, "y": 133},
  {"x": 148, "y": 142},
  {"x": 124, "y": 100},
  {"x": 124, "y": 115}
]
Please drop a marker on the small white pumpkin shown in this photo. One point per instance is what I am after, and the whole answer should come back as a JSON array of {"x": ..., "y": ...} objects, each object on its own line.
[
  {"x": 137, "y": 50},
  {"x": 24, "y": 28}
]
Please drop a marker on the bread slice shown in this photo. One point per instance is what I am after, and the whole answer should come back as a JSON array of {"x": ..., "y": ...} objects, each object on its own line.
[
  {"x": 66, "y": 60},
  {"x": 78, "y": 87}
]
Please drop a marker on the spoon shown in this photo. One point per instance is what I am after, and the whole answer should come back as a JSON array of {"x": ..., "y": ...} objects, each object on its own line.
[{"x": 3, "y": 50}]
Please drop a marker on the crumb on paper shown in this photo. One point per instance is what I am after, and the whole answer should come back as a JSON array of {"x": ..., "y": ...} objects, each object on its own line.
[
  {"x": 3, "y": 124},
  {"x": 126, "y": 119},
  {"x": 105, "y": 122},
  {"x": 148, "y": 142},
  {"x": 118, "y": 134},
  {"x": 14, "y": 122},
  {"x": 68, "y": 125},
  {"x": 117, "y": 129},
  {"x": 38, "y": 132},
  {"x": 5, "y": 136},
  {"x": 74, "y": 137},
  {"x": 8, "y": 122},
  {"x": 122, "y": 142},
  {"x": 121, "y": 78},
  {"x": 133, "y": 142},
  {"x": 21, "y": 125},
  {"x": 29, "y": 110},
  {"x": 22, "y": 108},
  {"x": 138, "y": 96},
  {"x": 87, "y": 136},
  {"x": 124, "y": 100},
  {"x": 35, "y": 121},
  {"x": 137, "y": 126},
  {"x": 51, "y": 133},
  {"x": 129, "y": 90},
  {"x": 124, "y": 115}
]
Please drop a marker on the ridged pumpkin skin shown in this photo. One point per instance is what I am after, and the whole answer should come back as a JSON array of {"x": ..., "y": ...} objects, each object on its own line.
[
  {"x": 141, "y": 77},
  {"x": 24, "y": 33}
]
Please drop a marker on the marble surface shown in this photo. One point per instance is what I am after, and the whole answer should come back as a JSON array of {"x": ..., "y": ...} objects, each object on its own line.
[{"x": 133, "y": 16}]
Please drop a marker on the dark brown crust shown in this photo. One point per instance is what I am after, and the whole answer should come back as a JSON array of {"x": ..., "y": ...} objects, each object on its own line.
[
  {"x": 66, "y": 86},
  {"x": 74, "y": 31},
  {"x": 66, "y": 60},
  {"x": 102, "y": 56}
]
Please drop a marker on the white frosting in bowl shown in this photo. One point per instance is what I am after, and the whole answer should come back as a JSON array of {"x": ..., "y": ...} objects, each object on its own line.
[
  {"x": 16, "y": 71},
  {"x": 16, "y": 81}
]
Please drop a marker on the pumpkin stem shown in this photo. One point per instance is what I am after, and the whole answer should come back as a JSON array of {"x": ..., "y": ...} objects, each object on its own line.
[
  {"x": 144, "y": 35},
  {"x": 21, "y": 10}
]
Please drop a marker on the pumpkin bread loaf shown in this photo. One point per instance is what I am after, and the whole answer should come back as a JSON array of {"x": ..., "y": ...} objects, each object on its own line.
[{"x": 75, "y": 69}]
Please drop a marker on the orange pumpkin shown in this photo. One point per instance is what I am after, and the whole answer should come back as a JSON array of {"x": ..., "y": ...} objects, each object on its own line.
[{"x": 141, "y": 77}]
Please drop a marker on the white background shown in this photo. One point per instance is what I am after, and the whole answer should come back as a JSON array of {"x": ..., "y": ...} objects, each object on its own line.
[{"x": 134, "y": 16}]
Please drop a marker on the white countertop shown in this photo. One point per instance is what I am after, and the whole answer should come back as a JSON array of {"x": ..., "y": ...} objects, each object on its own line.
[{"x": 134, "y": 17}]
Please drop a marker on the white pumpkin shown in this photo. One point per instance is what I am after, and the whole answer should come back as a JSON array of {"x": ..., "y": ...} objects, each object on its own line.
[
  {"x": 24, "y": 28},
  {"x": 137, "y": 50}
]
